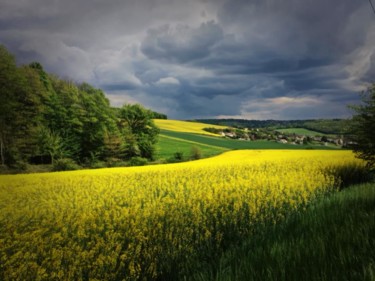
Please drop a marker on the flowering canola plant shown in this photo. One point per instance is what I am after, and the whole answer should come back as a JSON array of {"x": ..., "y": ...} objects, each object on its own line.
[
  {"x": 186, "y": 126},
  {"x": 139, "y": 222}
]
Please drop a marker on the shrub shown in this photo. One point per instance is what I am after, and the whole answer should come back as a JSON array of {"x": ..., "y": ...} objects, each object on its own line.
[
  {"x": 65, "y": 164},
  {"x": 351, "y": 173},
  {"x": 98, "y": 165},
  {"x": 115, "y": 162},
  {"x": 138, "y": 161},
  {"x": 20, "y": 166},
  {"x": 196, "y": 153},
  {"x": 179, "y": 155}
]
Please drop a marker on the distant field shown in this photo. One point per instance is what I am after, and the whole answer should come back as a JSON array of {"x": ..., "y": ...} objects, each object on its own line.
[
  {"x": 301, "y": 131},
  {"x": 168, "y": 146},
  {"x": 171, "y": 142},
  {"x": 185, "y": 126}
]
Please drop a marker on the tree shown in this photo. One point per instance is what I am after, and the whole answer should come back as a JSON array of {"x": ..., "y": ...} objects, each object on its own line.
[
  {"x": 44, "y": 118},
  {"x": 51, "y": 144},
  {"x": 363, "y": 127},
  {"x": 8, "y": 102},
  {"x": 20, "y": 109},
  {"x": 196, "y": 153},
  {"x": 138, "y": 122}
]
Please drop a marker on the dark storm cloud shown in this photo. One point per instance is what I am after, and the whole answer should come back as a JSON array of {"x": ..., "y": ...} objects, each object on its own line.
[
  {"x": 181, "y": 44},
  {"x": 251, "y": 59}
]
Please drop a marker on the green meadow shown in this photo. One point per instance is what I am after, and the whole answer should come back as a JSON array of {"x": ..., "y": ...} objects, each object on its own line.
[
  {"x": 171, "y": 142},
  {"x": 301, "y": 131}
]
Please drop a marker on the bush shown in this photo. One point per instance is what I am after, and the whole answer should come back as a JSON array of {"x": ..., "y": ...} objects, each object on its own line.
[
  {"x": 138, "y": 161},
  {"x": 196, "y": 153},
  {"x": 19, "y": 166},
  {"x": 98, "y": 165},
  {"x": 179, "y": 156},
  {"x": 4, "y": 169},
  {"x": 115, "y": 162},
  {"x": 65, "y": 164},
  {"x": 352, "y": 173}
]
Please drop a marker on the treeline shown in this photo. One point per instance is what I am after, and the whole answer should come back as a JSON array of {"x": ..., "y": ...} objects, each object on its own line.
[
  {"x": 47, "y": 120},
  {"x": 325, "y": 126}
]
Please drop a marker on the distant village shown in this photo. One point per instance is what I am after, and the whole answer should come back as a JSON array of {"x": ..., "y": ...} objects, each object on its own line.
[{"x": 285, "y": 138}]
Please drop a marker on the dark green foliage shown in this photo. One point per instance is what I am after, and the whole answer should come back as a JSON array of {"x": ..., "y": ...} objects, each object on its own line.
[
  {"x": 213, "y": 130},
  {"x": 157, "y": 115},
  {"x": 82, "y": 117},
  {"x": 350, "y": 174},
  {"x": 325, "y": 126},
  {"x": 178, "y": 156},
  {"x": 51, "y": 144},
  {"x": 44, "y": 117},
  {"x": 65, "y": 164},
  {"x": 138, "y": 161},
  {"x": 141, "y": 130},
  {"x": 115, "y": 162},
  {"x": 21, "y": 99},
  {"x": 363, "y": 127}
]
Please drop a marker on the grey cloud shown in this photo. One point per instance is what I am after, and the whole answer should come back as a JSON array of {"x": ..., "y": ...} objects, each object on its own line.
[
  {"x": 260, "y": 58},
  {"x": 182, "y": 43}
]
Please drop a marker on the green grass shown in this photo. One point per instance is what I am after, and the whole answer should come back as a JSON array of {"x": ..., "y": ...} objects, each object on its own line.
[
  {"x": 301, "y": 131},
  {"x": 167, "y": 146},
  {"x": 171, "y": 142},
  {"x": 334, "y": 239}
]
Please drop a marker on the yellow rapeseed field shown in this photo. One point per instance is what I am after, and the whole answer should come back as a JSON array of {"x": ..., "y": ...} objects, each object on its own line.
[
  {"x": 136, "y": 223},
  {"x": 185, "y": 126}
]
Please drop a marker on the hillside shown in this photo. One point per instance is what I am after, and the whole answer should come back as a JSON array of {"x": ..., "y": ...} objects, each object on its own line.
[
  {"x": 301, "y": 131},
  {"x": 325, "y": 126},
  {"x": 178, "y": 139},
  {"x": 186, "y": 126}
]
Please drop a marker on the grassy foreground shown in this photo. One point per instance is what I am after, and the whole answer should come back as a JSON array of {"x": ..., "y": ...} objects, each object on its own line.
[{"x": 334, "y": 239}]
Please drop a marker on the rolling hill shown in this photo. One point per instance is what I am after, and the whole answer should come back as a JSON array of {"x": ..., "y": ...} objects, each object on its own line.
[
  {"x": 183, "y": 136},
  {"x": 186, "y": 126}
]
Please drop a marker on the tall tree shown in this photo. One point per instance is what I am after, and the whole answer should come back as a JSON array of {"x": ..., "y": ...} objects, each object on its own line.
[
  {"x": 42, "y": 115},
  {"x": 363, "y": 127},
  {"x": 9, "y": 77},
  {"x": 139, "y": 122},
  {"x": 20, "y": 109},
  {"x": 99, "y": 123}
]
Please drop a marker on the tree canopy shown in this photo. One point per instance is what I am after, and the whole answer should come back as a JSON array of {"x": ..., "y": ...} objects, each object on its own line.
[
  {"x": 44, "y": 118},
  {"x": 363, "y": 127}
]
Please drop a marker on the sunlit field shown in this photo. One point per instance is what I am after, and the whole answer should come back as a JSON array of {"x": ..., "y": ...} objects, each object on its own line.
[
  {"x": 150, "y": 222},
  {"x": 185, "y": 126}
]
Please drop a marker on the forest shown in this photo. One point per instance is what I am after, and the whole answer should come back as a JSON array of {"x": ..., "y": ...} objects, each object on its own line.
[
  {"x": 48, "y": 120},
  {"x": 324, "y": 126}
]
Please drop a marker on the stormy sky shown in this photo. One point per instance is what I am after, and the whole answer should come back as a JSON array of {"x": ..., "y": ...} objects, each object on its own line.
[{"x": 253, "y": 59}]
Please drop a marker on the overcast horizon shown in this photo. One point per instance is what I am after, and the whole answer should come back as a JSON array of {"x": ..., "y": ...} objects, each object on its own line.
[{"x": 262, "y": 59}]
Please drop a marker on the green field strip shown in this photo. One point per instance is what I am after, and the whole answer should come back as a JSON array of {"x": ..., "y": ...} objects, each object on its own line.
[
  {"x": 229, "y": 143},
  {"x": 301, "y": 131},
  {"x": 167, "y": 147},
  {"x": 236, "y": 144},
  {"x": 194, "y": 142}
]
